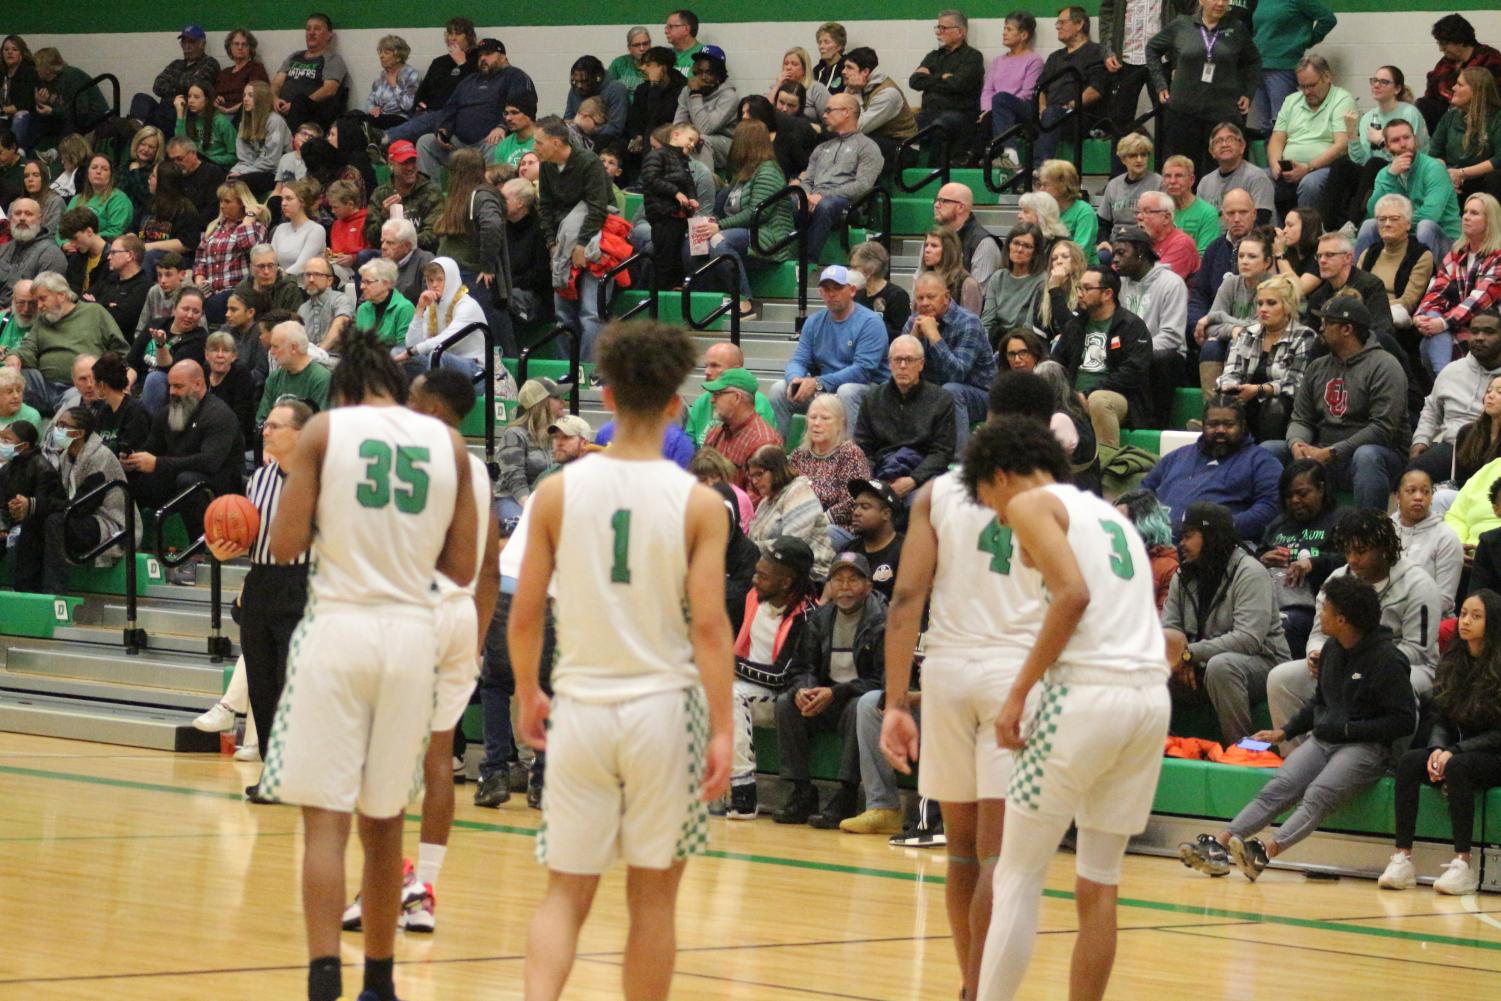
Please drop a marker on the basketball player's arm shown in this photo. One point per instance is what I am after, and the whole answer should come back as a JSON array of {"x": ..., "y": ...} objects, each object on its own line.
[
  {"x": 914, "y": 579},
  {"x": 292, "y": 532},
  {"x": 707, "y": 536},
  {"x": 456, "y": 561},
  {"x": 529, "y": 605},
  {"x": 488, "y": 590},
  {"x": 1040, "y": 524}
]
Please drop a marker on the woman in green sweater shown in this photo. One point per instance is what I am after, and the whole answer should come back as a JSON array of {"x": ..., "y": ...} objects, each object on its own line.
[
  {"x": 1468, "y": 137},
  {"x": 200, "y": 121},
  {"x": 113, "y": 207},
  {"x": 384, "y": 309},
  {"x": 754, "y": 177}
]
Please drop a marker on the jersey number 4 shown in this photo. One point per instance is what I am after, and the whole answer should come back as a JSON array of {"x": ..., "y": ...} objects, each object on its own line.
[
  {"x": 375, "y": 490},
  {"x": 996, "y": 540}
]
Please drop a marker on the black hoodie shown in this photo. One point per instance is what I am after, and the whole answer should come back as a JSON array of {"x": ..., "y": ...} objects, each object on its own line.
[{"x": 1364, "y": 694}]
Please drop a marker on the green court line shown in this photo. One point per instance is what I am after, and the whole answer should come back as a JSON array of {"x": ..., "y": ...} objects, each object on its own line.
[{"x": 1311, "y": 924}]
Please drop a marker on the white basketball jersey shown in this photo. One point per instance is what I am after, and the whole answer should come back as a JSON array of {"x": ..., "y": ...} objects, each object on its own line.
[
  {"x": 983, "y": 599},
  {"x": 621, "y": 580},
  {"x": 1120, "y": 630},
  {"x": 385, "y": 502},
  {"x": 479, "y": 485}
]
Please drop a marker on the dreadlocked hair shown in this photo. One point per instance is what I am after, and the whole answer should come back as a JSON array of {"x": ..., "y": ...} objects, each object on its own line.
[
  {"x": 1204, "y": 576},
  {"x": 1367, "y": 528},
  {"x": 365, "y": 369},
  {"x": 1466, "y": 687}
]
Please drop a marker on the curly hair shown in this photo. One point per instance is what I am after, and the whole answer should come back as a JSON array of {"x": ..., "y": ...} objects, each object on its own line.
[
  {"x": 643, "y": 363},
  {"x": 1367, "y": 528},
  {"x": 1355, "y": 600},
  {"x": 1018, "y": 445},
  {"x": 1467, "y": 688}
]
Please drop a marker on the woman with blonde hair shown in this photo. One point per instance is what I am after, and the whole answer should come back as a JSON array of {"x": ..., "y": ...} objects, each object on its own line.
[
  {"x": 1468, "y": 282},
  {"x": 797, "y": 67},
  {"x": 1060, "y": 179},
  {"x": 1468, "y": 137},
  {"x": 830, "y": 460},
  {"x": 223, "y": 259},
  {"x": 393, "y": 93},
  {"x": 262, "y": 141},
  {"x": 525, "y": 447},
  {"x": 943, "y": 255},
  {"x": 1060, "y": 307},
  {"x": 1267, "y": 359},
  {"x": 147, "y": 149},
  {"x": 299, "y": 238}
]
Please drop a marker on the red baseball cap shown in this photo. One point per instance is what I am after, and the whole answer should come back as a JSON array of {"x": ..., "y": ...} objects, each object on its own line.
[{"x": 401, "y": 151}]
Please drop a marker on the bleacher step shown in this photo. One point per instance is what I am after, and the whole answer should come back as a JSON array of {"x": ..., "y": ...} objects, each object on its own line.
[
  {"x": 131, "y": 726},
  {"x": 154, "y": 616},
  {"x": 154, "y": 670},
  {"x": 20, "y": 683}
]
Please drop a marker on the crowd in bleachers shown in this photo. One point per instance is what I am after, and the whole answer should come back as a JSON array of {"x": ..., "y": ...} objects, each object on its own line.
[{"x": 171, "y": 275}]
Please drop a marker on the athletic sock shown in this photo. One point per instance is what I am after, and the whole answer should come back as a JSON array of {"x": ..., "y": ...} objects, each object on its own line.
[
  {"x": 378, "y": 978},
  {"x": 430, "y": 863},
  {"x": 325, "y": 980}
]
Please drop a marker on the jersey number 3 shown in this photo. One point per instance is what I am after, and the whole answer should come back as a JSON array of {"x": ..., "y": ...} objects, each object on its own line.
[
  {"x": 375, "y": 489},
  {"x": 996, "y": 540}
]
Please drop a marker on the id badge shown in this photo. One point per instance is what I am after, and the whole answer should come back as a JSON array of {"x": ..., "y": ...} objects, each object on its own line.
[{"x": 1208, "y": 75}]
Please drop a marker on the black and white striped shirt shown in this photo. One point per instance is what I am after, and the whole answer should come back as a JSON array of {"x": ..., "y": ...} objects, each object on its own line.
[{"x": 265, "y": 493}]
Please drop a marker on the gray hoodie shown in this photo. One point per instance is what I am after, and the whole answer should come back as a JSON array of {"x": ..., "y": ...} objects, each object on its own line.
[
  {"x": 1160, "y": 298},
  {"x": 1410, "y": 609},
  {"x": 1455, "y": 400},
  {"x": 715, "y": 115},
  {"x": 1243, "y": 617},
  {"x": 1432, "y": 545},
  {"x": 1343, "y": 404},
  {"x": 24, "y": 261},
  {"x": 96, "y": 460}
]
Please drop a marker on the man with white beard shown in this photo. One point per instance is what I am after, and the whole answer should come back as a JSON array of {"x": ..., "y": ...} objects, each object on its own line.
[
  {"x": 196, "y": 440},
  {"x": 31, "y": 249}
]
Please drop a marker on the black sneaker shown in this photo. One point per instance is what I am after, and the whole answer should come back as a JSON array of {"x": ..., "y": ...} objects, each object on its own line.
[
  {"x": 253, "y": 795},
  {"x": 915, "y": 837},
  {"x": 518, "y": 776},
  {"x": 534, "y": 794},
  {"x": 742, "y": 802},
  {"x": 841, "y": 806},
  {"x": 492, "y": 791},
  {"x": 802, "y": 804},
  {"x": 1205, "y": 854},
  {"x": 1250, "y": 855}
]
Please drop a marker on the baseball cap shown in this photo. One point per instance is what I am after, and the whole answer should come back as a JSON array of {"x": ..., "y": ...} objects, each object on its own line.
[
  {"x": 535, "y": 391},
  {"x": 192, "y": 31},
  {"x": 791, "y": 552},
  {"x": 1345, "y": 309},
  {"x": 710, "y": 52},
  {"x": 490, "y": 45},
  {"x": 573, "y": 426},
  {"x": 401, "y": 151},
  {"x": 880, "y": 488},
  {"x": 1133, "y": 234},
  {"x": 840, "y": 274},
  {"x": 854, "y": 561},
  {"x": 733, "y": 378}
]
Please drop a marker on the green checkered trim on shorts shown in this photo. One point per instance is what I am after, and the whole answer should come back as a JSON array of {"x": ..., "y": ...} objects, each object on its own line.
[
  {"x": 1027, "y": 774},
  {"x": 271, "y": 771},
  {"x": 693, "y": 839}
]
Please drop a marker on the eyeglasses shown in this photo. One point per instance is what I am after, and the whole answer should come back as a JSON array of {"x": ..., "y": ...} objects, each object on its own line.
[
  {"x": 947, "y": 201},
  {"x": 1090, "y": 288},
  {"x": 1018, "y": 354},
  {"x": 1377, "y": 81},
  {"x": 275, "y": 426},
  {"x": 898, "y": 361},
  {"x": 117, "y": 250},
  {"x": 945, "y": 27},
  {"x": 1327, "y": 254}
]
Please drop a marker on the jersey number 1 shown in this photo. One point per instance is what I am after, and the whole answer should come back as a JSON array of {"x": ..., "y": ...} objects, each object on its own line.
[
  {"x": 411, "y": 480},
  {"x": 620, "y": 527}
]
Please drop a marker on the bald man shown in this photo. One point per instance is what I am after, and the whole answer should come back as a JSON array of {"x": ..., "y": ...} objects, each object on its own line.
[
  {"x": 843, "y": 168},
  {"x": 1237, "y": 219},
  {"x": 954, "y": 208},
  {"x": 195, "y": 440},
  {"x": 701, "y": 417}
]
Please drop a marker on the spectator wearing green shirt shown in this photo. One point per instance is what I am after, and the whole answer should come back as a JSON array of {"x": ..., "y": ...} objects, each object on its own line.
[
  {"x": 12, "y": 389},
  {"x": 296, "y": 375},
  {"x": 1284, "y": 30},
  {"x": 681, "y": 30},
  {"x": 626, "y": 70},
  {"x": 1468, "y": 136},
  {"x": 200, "y": 121},
  {"x": 1425, "y": 183},
  {"x": 1060, "y": 179},
  {"x": 1309, "y": 136},
  {"x": 521, "y": 119},
  {"x": 701, "y": 417},
  {"x": 384, "y": 309},
  {"x": 1192, "y": 214},
  {"x": 15, "y": 323},
  {"x": 111, "y": 206}
]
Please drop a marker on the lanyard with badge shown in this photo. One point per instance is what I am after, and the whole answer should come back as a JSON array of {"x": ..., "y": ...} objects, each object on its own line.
[{"x": 1210, "y": 38}]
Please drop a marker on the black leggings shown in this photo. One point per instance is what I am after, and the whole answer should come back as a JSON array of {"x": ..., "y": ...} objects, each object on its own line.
[{"x": 1465, "y": 775}]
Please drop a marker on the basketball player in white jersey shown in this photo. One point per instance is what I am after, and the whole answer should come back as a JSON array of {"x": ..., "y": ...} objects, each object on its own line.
[
  {"x": 983, "y": 615},
  {"x": 389, "y": 493},
  {"x": 448, "y": 395},
  {"x": 1090, "y": 748},
  {"x": 638, "y": 739}
]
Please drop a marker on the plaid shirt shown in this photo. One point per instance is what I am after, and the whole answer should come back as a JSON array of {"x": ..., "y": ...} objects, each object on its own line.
[
  {"x": 1458, "y": 293},
  {"x": 962, "y": 352},
  {"x": 740, "y": 444},
  {"x": 1286, "y": 361},
  {"x": 224, "y": 255}
]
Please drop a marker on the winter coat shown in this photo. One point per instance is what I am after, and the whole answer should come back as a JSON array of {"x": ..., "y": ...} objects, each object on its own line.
[{"x": 817, "y": 645}]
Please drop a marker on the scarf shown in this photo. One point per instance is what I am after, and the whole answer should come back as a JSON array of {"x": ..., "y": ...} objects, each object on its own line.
[{"x": 432, "y": 312}]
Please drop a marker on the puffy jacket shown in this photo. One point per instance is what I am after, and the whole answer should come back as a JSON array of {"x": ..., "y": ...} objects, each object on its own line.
[{"x": 664, "y": 176}]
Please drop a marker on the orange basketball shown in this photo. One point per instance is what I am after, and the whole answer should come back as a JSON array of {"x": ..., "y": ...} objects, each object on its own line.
[{"x": 232, "y": 519}]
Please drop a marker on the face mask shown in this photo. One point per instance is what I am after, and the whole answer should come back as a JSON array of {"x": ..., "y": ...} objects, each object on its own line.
[
  {"x": 61, "y": 437},
  {"x": 7, "y": 451}
]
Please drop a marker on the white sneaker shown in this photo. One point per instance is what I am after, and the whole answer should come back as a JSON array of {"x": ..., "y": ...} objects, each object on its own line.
[
  {"x": 218, "y": 719},
  {"x": 1458, "y": 880},
  {"x": 248, "y": 752},
  {"x": 1399, "y": 874}
]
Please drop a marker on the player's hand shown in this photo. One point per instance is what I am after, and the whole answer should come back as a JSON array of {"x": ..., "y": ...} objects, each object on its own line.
[
  {"x": 534, "y": 712},
  {"x": 226, "y": 551},
  {"x": 1008, "y": 725},
  {"x": 899, "y": 739},
  {"x": 716, "y": 767}
]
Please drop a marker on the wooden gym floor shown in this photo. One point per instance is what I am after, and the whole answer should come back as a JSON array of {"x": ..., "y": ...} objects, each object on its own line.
[{"x": 143, "y": 875}]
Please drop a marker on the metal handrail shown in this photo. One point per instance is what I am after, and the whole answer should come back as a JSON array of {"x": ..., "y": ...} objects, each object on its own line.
[
  {"x": 799, "y": 235},
  {"x": 218, "y": 643},
  {"x": 114, "y": 108},
  {"x": 1021, "y": 178},
  {"x": 717, "y": 263},
  {"x": 648, "y": 270},
  {"x": 573, "y": 362},
  {"x": 882, "y": 198},
  {"x": 450, "y": 341},
  {"x": 135, "y": 637},
  {"x": 939, "y": 173}
]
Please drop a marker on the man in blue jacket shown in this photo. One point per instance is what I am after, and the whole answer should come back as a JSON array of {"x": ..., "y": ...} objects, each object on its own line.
[
  {"x": 841, "y": 350},
  {"x": 1225, "y": 468},
  {"x": 474, "y": 115}
]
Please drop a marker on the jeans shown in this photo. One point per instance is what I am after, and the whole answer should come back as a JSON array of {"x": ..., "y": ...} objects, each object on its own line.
[
  {"x": 1370, "y": 473},
  {"x": 1309, "y": 191},
  {"x": 581, "y": 315},
  {"x": 1427, "y": 231},
  {"x": 970, "y": 404},
  {"x": 840, "y": 538},
  {"x": 1005, "y": 111},
  {"x": 432, "y": 158},
  {"x": 728, "y": 243},
  {"x": 41, "y": 393},
  {"x": 850, "y": 394},
  {"x": 828, "y": 213},
  {"x": 1276, "y": 85},
  {"x": 416, "y": 127},
  {"x": 502, "y": 334},
  {"x": 1214, "y": 349},
  {"x": 497, "y": 683},
  {"x": 1437, "y": 351},
  {"x": 1047, "y": 142}
]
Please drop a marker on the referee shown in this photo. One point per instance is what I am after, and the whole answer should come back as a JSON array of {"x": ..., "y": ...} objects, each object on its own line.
[{"x": 274, "y": 595}]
